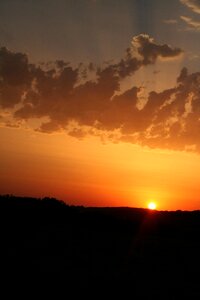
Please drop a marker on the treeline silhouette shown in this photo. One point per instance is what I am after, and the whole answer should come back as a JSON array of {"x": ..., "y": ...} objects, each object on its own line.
[{"x": 45, "y": 240}]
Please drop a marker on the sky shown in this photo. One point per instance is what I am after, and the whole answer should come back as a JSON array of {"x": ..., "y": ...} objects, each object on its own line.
[{"x": 100, "y": 101}]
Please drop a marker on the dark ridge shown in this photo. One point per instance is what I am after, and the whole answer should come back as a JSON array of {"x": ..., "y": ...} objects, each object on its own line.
[{"x": 46, "y": 241}]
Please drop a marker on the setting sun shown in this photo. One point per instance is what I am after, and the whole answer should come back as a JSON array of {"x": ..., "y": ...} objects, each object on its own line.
[
  {"x": 108, "y": 116},
  {"x": 152, "y": 205}
]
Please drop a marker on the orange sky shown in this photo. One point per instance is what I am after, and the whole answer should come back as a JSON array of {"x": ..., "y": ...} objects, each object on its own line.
[
  {"x": 96, "y": 174},
  {"x": 99, "y": 102}
]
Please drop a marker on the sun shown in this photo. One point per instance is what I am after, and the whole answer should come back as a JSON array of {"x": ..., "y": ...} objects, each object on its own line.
[{"x": 152, "y": 205}]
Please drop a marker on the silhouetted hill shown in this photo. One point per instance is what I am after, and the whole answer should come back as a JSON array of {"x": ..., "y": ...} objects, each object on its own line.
[{"x": 45, "y": 240}]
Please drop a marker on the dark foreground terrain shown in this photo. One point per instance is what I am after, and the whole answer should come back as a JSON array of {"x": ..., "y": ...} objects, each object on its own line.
[{"x": 47, "y": 242}]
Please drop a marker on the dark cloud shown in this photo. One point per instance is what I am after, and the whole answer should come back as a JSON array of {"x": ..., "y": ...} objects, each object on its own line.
[
  {"x": 15, "y": 77},
  {"x": 70, "y": 101},
  {"x": 77, "y": 133},
  {"x": 150, "y": 51},
  {"x": 177, "y": 121},
  {"x": 120, "y": 111},
  {"x": 144, "y": 51}
]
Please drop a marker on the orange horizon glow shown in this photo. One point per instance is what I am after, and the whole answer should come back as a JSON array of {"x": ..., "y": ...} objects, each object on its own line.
[
  {"x": 98, "y": 175},
  {"x": 109, "y": 115}
]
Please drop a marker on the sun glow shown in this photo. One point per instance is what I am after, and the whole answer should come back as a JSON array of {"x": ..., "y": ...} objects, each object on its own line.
[{"x": 152, "y": 205}]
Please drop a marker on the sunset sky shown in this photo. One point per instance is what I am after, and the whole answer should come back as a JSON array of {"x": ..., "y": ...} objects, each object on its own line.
[{"x": 100, "y": 101}]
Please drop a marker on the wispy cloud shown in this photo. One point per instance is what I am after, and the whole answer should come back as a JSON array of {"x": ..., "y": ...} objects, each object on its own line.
[
  {"x": 194, "y": 5},
  {"x": 170, "y": 21},
  {"x": 195, "y": 25}
]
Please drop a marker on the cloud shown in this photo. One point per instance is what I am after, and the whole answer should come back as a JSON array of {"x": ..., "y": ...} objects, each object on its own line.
[
  {"x": 15, "y": 77},
  {"x": 195, "y": 25},
  {"x": 170, "y": 21},
  {"x": 194, "y": 5},
  {"x": 71, "y": 102},
  {"x": 150, "y": 51},
  {"x": 177, "y": 121}
]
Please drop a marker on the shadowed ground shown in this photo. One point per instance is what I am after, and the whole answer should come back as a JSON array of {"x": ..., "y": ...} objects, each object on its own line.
[{"x": 47, "y": 242}]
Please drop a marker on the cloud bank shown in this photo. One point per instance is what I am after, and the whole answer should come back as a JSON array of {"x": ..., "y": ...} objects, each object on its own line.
[{"x": 69, "y": 101}]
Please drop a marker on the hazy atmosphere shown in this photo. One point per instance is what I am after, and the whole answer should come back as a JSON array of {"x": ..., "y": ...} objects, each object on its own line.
[{"x": 100, "y": 101}]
